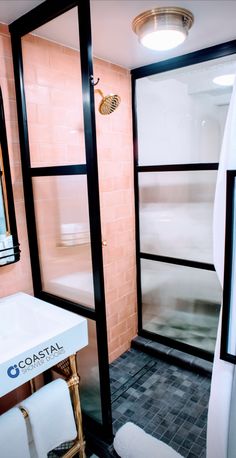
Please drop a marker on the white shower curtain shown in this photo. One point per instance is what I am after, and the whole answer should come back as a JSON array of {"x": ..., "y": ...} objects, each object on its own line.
[{"x": 219, "y": 443}]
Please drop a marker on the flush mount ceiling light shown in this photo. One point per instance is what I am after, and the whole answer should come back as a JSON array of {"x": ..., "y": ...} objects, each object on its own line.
[
  {"x": 224, "y": 80},
  {"x": 163, "y": 28}
]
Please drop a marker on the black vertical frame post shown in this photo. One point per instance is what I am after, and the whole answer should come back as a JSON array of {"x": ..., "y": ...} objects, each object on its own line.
[
  {"x": 94, "y": 206},
  {"x": 214, "y": 52},
  {"x": 228, "y": 265},
  {"x": 25, "y": 161},
  {"x": 40, "y": 15},
  {"x": 136, "y": 201}
]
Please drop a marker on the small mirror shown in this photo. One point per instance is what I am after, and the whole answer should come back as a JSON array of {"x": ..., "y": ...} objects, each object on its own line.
[{"x": 9, "y": 246}]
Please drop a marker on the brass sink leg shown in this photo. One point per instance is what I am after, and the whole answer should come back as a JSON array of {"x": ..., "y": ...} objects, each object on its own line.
[{"x": 73, "y": 384}]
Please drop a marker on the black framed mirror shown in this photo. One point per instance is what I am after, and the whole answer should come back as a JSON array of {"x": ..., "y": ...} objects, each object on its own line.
[{"x": 9, "y": 245}]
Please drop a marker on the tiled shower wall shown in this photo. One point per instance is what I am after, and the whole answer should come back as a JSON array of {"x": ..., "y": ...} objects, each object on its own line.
[
  {"x": 114, "y": 137},
  {"x": 15, "y": 277},
  {"x": 115, "y": 158}
]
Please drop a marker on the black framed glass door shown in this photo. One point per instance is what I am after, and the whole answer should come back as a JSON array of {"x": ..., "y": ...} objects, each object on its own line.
[
  {"x": 55, "y": 100},
  {"x": 179, "y": 118}
]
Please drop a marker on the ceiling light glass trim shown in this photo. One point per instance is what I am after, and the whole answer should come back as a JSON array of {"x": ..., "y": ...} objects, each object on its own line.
[{"x": 163, "y": 28}]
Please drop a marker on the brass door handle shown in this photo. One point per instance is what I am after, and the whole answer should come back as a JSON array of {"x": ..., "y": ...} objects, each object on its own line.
[{"x": 104, "y": 243}]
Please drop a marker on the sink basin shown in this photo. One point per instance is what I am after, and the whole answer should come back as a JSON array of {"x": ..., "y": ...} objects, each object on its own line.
[{"x": 34, "y": 336}]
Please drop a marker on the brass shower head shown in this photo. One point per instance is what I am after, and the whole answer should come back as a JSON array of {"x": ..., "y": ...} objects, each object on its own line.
[{"x": 109, "y": 102}]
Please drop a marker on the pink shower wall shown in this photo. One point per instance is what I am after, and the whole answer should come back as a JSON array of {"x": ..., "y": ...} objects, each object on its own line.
[
  {"x": 15, "y": 277},
  {"x": 115, "y": 159},
  {"x": 56, "y": 134}
]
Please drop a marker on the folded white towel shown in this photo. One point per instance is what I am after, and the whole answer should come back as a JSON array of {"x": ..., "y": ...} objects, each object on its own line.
[
  {"x": 13, "y": 435},
  {"x": 132, "y": 442},
  {"x": 51, "y": 416}
]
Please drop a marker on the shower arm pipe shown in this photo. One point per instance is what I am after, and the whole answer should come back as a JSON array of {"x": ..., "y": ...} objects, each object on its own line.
[{"x": 98, "y": 91}]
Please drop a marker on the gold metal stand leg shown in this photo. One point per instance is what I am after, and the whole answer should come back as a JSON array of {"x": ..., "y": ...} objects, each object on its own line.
[
  {"x": 73, "y": 383},
  {"x": 32, "y": 386}
]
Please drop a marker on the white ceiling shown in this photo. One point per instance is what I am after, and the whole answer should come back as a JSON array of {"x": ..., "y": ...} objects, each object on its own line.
[{"x": 113, "y": 39}]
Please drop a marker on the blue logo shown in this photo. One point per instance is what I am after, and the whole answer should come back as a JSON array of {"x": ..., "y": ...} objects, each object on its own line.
[{"x": 13, "y": 371}]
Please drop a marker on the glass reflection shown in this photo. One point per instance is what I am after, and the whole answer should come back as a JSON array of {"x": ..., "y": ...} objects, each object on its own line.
[
  {"x": 181, "y": 303},
  {"x": 181, "y": 113},
  {"x": 61, "y": 208},
  {"x": 88, "y": 369},
  {"x": 53, "y": 90},
  {"x": 176, "y": 212}
]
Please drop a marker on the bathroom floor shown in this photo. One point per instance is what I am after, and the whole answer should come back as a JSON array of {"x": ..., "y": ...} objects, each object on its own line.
[{"x": 168, "y": 402}]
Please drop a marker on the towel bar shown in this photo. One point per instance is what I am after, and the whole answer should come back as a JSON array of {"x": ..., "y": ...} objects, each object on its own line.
[{"x": 68, "y": 369}]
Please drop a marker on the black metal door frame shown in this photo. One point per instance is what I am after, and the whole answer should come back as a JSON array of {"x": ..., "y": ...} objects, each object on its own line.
[
  {"x": 43, "y": 13},
  {"x": 214, "y": 52}
]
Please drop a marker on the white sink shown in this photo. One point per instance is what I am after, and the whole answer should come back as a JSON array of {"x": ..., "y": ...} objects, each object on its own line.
[{"x": 34, "y": 336}]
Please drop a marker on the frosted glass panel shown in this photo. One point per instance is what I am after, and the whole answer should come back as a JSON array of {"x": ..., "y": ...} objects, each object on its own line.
[
  {"x": 176, "y": 212},
  {"x": 53, "y": 90},
  {"x": 61, "y": 208},
  {"x": 181, "y": 303},
  {"x": 181, "y": 113},
  {"x": 87, "y": 360}
]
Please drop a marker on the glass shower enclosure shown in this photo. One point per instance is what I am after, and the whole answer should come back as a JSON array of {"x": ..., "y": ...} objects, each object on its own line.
[
  {"x": 179, "y": 118},
  {"x": 55, "y": 97}
]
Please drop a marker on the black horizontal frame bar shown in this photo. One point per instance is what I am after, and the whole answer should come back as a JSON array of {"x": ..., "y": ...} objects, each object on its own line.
[
  {"x": 15, "y": 253},
  {"x": 33, "y": 19},
  {"x": 178, "y": 167},
  {"x": 59, "y": 170},
  {"x": 68, "y": 305},
  {"x": 196, "y": 57},
  {"x": 178, "y": 261},
  {"x": 11, "y": 248},
  {"x": 178, "y": 345}
]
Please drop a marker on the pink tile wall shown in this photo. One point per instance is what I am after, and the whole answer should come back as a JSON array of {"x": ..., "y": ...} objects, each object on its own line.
[
  {"x": 15, "y": 277},
  {"x": 115, "y": 159},
  {"x": 56, "y": 133}
]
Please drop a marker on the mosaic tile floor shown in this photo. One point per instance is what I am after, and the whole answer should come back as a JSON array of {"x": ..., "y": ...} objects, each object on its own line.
[{"x": 168, "y": 402}]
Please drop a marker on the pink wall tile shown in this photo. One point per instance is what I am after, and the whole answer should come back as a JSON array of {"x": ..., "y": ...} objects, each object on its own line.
[
  {"x": 15, "y": 277},
  {"x": 56, "y": 134},
  {"x": 115, "y": 158}
]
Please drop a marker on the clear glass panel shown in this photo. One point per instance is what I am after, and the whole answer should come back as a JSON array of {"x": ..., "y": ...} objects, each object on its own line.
[
  {"x": 181, "y": 303},
  {"x": 176, "y": 211},
  {"x": 53, "y": 89},
  {"x": 61, "y": 210},
  {"x": 87, "y": 359},
  {"x": 181, "y": 113}
]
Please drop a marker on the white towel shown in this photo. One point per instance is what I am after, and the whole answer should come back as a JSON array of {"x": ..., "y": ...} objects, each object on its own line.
[
  {"x": 51, "y": 417},
  {"x": 13, "y": 435},
  {"x": 132, "y": 442},
  {"x": 218, "y": 425}
]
